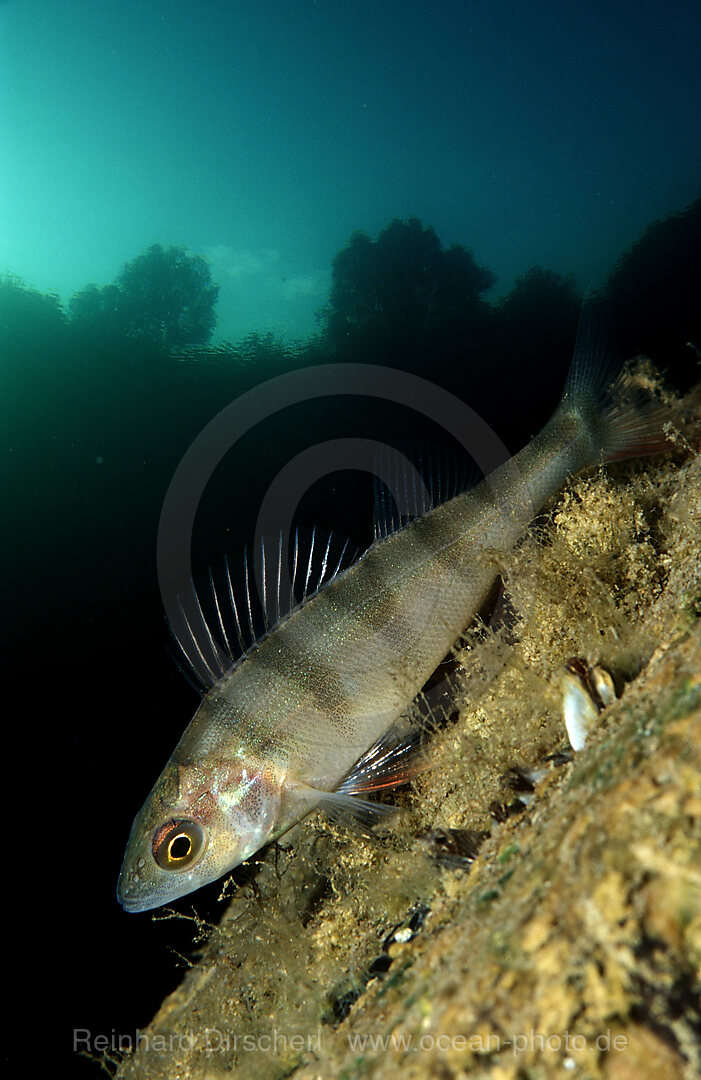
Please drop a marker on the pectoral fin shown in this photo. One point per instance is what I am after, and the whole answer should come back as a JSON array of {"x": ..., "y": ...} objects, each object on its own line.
[{"x": 396, "y": 757}]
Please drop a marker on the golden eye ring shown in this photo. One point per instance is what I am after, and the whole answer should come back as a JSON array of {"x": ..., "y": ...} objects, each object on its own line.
[{"x": 177, "y": 845}]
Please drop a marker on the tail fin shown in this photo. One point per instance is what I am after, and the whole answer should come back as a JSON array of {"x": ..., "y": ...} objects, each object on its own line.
[
  {"x": 625, "y": 419},
  {"x": 633, "y": 421}
]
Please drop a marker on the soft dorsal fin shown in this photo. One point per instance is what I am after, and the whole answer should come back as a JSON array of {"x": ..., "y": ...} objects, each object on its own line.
[
  {"x": 411, "y": 480},
  {"x": 216, "y": 630}
]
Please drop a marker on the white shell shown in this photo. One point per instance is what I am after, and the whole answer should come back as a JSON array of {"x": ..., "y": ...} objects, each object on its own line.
[
  {"x": 603, "y": 684},
  {"x": 578, "y": 709}
]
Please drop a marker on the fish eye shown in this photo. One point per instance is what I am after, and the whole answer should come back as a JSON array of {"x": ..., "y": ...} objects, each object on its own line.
[{"x": 178, "y": 844}]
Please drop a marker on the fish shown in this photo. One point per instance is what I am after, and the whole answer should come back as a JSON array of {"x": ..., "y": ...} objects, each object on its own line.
[{"x": 311, "y": 715}]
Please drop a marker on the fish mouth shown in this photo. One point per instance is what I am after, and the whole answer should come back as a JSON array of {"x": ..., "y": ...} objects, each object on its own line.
[
  {"x": 129, "y": 898},
  {"x": 133, "y": 897},
  {"x": 132, "y": 903}
]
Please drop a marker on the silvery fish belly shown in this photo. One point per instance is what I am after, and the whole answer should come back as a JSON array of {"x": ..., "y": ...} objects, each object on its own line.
[{"x": 308, "y": 716}]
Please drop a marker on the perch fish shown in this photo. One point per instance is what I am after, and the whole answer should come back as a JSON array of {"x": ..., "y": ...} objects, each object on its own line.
[{"x": 308, "y": 716}]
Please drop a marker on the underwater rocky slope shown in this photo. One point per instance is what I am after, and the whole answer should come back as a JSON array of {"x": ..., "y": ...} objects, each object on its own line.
[{"x": 572, "y": 939}]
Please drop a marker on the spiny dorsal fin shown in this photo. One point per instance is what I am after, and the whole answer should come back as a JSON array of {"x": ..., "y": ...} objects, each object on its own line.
[{"x": 215, "y": 630}]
